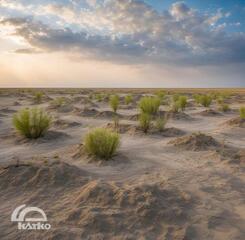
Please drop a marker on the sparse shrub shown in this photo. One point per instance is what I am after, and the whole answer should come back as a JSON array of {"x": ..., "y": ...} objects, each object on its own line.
[
  {"x": 32, "y": 123},
  {"x": 58, "y": 102},
  {"x": 99, "y": 97},
  {"x": 145, "y": 121},
  {"x": 161, "y": 122},
  {"x": 161, "y": 95},
  {"x": 149, "y": 105},
  {"x": 197, "y": 98},
  {"x": 116, "y": 122},
  {"x": 242, "y": 112},
  {"x": 175, "y": 97},
  {"x": 175, "y": 107},
  {"x": 38, "y": 96},
  {"x": 182, "y": 101},
  {"x": 102, "y": 143},
  {"x": 224, "y": 107},
  {"x": 206, "y": 100},
  {"x": 114, "y": 102},
  {"x": 128, "y": 99},
  {"x": 220, "y": 100}
]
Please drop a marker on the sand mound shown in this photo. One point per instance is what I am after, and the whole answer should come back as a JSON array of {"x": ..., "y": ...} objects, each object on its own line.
[
  {"x": 48, "y": 137},
  {"x": 195, "y": 142},
  {"x": 35, "y": 175},
  {"x": 127, "y": 107},
  {"x": 7, "y": 111},
  {"x": 88, "y": 112},
  {"x": 135, "y": 117},
  {"x": 62, "y": 124},
  {"x": 111, "y": 210},
  {"x": 16, "y": 103},
  {"x": 78, "y": 207},
  {"x": 236, "y": 122},
  {"x": 108, "y": 114},
  {"x": 61, "y": 109},
  {"x": 132, "y": 130},
  {"x": 210, "y": 113},
  {"x": 180, "y": 116},
  {"x": 170, "y": 132},
  {"x": 123, "y": 128}
]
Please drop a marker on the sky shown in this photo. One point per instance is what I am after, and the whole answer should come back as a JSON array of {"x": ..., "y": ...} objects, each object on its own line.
[{"x": 122, "y": 43}]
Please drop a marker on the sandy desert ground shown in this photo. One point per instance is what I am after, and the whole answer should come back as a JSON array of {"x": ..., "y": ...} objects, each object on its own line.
[{"x": 185, "y": 183}]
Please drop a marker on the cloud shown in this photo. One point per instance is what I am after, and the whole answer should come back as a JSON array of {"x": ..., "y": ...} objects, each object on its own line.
[{"x": 131, "y": 31}]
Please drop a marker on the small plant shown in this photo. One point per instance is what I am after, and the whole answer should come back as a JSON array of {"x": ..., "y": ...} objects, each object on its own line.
[
  {"x": 175, "y": 97},
  {"x": 38, "y": 97},
  {"x": 175, "y": 107},
  {"x": 128, "y": 99},
  {"x": 161, "y": 95},
  {"x": 32, "y": 123},
  {"x": 114, "y": 102},
  {"x": 58, "y": 102},
  {"x": 182, "y": 102},
  {"x": 197, "y": 98},
  {"x": 102, "y": 143},
  {"x": 116, "y": 122},
  {"x": 149, "y": 105},
  {"x": 224, "y": 107},
  {"x": 99, "y": 97},
  {"x": 161, "y": 122},
  {"x": 206, "y": 100},
  {"x": 145, "y": 121},
  {"x": 220, "y": 100},
  {"x": 242, "y": 112}
]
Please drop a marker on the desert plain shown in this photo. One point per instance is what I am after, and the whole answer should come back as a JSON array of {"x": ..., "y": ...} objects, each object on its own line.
[{"x": 185, "y": 182}]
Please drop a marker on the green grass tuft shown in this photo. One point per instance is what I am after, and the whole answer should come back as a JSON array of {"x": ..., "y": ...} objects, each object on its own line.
[
  {"x": 145, "y": 121},
  {"x": 128, "y": 99},
  {"x": 102, "y": 143},
  {"x": 149, "y": 105},
  {"x": 206, "y": 100},
  {"x": 182, "y": 101},
  {"x": 38, "y": 96},
  {"x": 224, "y": 107},
  {"x": 161, "y": 122},
  {"x": 242, "y": 112},
  {"x": 32, "y": 123},
  {"x": 58, "y": 102},
  {"x": 114, "y": 102}
]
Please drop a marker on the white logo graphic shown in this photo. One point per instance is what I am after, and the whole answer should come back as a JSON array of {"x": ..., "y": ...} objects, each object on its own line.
[{"x": 24, "y": 223}]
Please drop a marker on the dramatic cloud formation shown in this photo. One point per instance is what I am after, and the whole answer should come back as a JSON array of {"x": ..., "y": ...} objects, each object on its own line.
[
  {"x": 123, "y": 32},
  {"x": 131, "y": 30}
]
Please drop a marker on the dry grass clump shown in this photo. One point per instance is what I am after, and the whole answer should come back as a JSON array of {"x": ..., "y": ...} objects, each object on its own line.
[
  {"x": 149, "y": 105},
  {"x": 32, "y": 123},
  {"x": 114, "y": 102},
  {"x": 242, "y": 112},
  {"x": 101, "y": 143},
  {"x": 128, "y": 99}
]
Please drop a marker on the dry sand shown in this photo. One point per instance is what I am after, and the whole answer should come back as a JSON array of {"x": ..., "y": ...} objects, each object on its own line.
[{"x": 186, "y": 183}]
